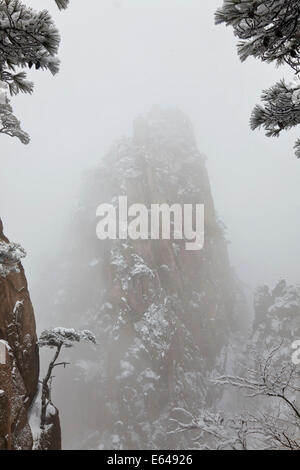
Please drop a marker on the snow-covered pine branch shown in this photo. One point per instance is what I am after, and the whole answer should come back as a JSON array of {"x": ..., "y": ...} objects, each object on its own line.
[
  {"x": 267, "y": 29},
  {"x": 271, "y": 427},
  {"x": 27, "y": 39},
  {"x": 10, "y": 257},
  {"x": 270, "y": 31},
  {"x": 67, "y": 337},
  {"x": 9, "y": 124}
]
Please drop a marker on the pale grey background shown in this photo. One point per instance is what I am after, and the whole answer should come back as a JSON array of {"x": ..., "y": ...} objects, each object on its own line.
[{"x": 119, "y": 57}]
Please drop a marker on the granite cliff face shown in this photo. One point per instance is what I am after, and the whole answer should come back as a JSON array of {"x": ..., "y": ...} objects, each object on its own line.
[
  {"x": 163, "y": 316},
  {"x": 19, "y": 371}
]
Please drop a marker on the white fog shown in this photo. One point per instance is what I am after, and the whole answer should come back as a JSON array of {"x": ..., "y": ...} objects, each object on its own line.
[{"x": 119, "y": 59}]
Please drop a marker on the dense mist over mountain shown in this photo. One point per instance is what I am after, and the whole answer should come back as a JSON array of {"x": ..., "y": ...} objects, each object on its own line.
[{"x": 165, "y": 318}]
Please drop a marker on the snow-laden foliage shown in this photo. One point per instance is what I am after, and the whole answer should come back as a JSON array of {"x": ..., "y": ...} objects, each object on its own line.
[
  {"x": 269, "y": 379},
  {"x": 154, "y": 327},
  {"x": 281, "y": 110},
  {"x": 269, "y": 30},
  {"x": 58, "y": 337},
  {"x": 276, "y": 383},
  {"x": 161, "y": 313},
  {"x": 271, "y": 422},
  {"x": 27, "y": 39},
  {"x": 273, "y": 425},
  {"x": 277, "y": 318},
  {"x": 10, "y": 257},
  {"x": 62, "y": 4},
  {"x": 212, "y": 431}
]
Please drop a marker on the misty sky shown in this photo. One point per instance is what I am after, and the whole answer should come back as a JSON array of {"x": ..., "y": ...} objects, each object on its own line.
[{"x": 120, "y": 57}]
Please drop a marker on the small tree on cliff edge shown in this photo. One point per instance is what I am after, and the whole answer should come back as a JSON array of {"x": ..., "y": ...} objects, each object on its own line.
[
  {"x": 10, "y": 258},
  {"x": 27, "y": 39},
  {"x": 269, "y": 30},
  {"x": 57, "y": 338}
]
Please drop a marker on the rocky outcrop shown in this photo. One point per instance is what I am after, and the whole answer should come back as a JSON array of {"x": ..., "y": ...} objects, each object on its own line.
[
  {"x": 19, "y": 367},
  {"x": 163, "y": 316},
  {"x": 19, "y": 376},
  {"x": 277, "y": 319}
]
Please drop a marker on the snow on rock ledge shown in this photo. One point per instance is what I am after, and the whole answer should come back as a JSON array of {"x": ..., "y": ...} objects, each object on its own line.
[{"x": 20, "y": 371}]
